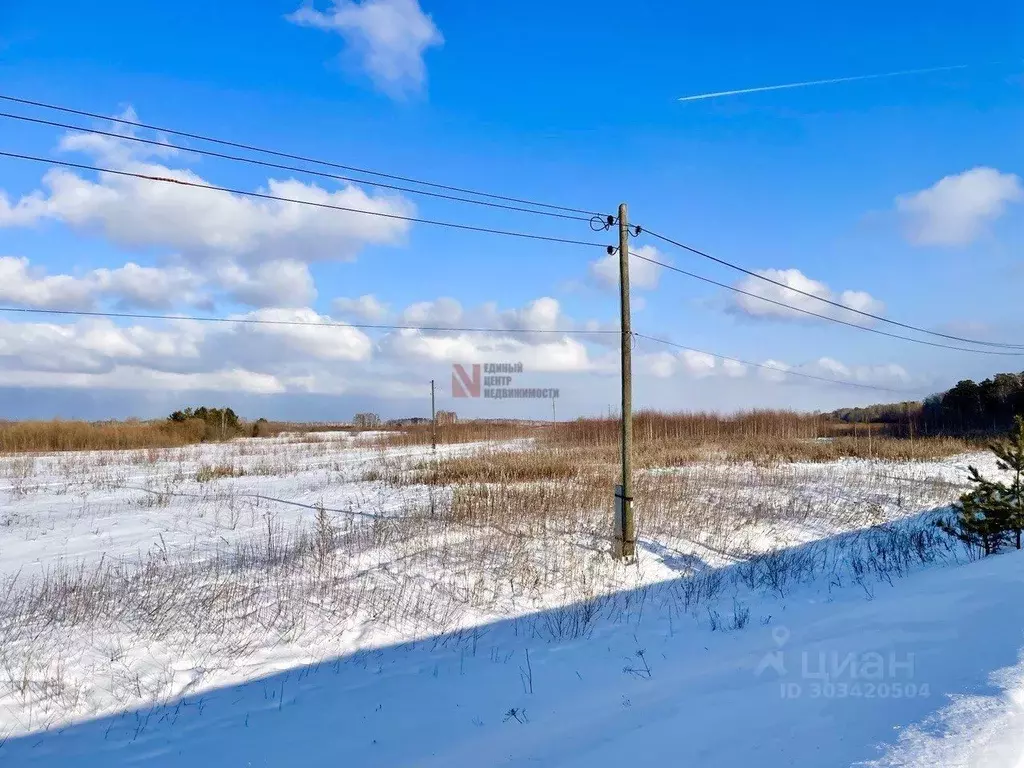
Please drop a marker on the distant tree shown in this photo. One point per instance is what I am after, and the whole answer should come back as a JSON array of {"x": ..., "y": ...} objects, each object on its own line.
[
  {"x": 366, "y": 420},
  {"x": 962, "y": 405},
  {"x": 218, "y": 422},
  {"x": 992, "y": 513}
]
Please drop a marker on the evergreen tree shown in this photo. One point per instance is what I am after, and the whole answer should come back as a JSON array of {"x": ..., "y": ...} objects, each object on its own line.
[
  {"x": 1010, "y": 456},
  {"x": 992, "y": 514}
]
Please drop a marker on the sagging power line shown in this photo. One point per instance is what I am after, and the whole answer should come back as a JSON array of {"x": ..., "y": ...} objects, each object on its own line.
[
  {"x": 298, "y": 201},
  {"x": 839, "y": 305},
  {"x": 292, "y": 156},
  {"x": 808, "y": 312},
  {"x": 293, "y": 168},
  {"x": 301, "y": 323}
]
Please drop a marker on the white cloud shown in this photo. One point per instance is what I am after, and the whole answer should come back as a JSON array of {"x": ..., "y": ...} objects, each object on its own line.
[
  {"x": 149, "y": 287},
  {"x": 643, "y": 275},
  {"x": 439, "y": 313},
  {"x": 18, "y": 285},
  {"x": 543, "y": 314},
  {"x": 201, "y": 223},
  {"x": 561, "y": 354},
  {"x": 888, "y": 374},
  {"x": 283, "y": 283},
  {"x": 880, "y": 375},
  {"x": 773, "y": 370},
  {"x": 956, "y": 209},
  {"x": 134, "y": 378},
  {"x": 388, "y": 38},
  {"x": 734, "y": 369},
  {"x": 115, "y": 150},
  {"x": 91, "y": 346},
  {"x": 794, "y": 278},
  {"x": 328, "y": 342},
  {"x": 254, "y": 251},
  {"x": 128, "y": 286},
  {"x": 694, "y": 364},
  {"x": 661, "y": 365},
  {"x": 367, "y": 307},
  {"x": 698, "y": 363}
]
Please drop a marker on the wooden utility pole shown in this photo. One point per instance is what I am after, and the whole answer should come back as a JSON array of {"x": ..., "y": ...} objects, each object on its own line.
[
  {"x": 553, "y": 416},
  {"x": 433, "y": 419},
  {"x": 625, "y": 525}
]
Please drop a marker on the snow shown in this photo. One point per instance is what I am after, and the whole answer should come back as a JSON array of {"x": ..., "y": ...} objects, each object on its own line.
[
  {"x": 447, "y": 702},
  {"x": 685, "y": 658},
  {"x": 79, "y": 507}
]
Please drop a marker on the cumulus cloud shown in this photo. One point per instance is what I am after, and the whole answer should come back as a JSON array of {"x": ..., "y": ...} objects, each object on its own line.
[
  {"x": 441, "y": 312},
  {"x": 128, "y": 286},
  {"x": 367, "y": 307},
  {"x": 794, "y": 278},
  {"x": 690, "y": 363},
  {"x": 698, "y": 363},
  {"x": 387, "y": 38},
  {"x": 879, "y": 375},
  {"x": 888, "y": 374},
  {"x": 773, "y": 370},
  {"x": 319, "y": 337},
  {"x": 250, "y": 250},
  {"x": 201, "y": 223},
  {"x": 18, "y": 285},
  {"x": 100, "y": 346},
  {"x": 661, "y": 365},
  {"x": 91, "y": 346},
  {"x": 282, "y": 283},
  {"x": 643, "y": 275},
  {"x": 561, "y": 354},
  {"x": 958, "y": 208}
]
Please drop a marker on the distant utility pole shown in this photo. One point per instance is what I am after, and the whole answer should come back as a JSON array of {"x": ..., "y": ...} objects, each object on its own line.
[
  {"x": 433, "y": 419},
  {"x": 625, "y": 524},
  {"x": 553, "y": 417}
]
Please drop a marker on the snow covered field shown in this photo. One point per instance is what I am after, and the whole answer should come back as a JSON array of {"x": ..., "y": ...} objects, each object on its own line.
[{"x": 287, "y": 602}]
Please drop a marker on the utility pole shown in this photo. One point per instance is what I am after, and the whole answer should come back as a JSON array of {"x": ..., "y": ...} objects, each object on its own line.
[
  {"x": 433, "y": 419},
  {"x": 553, "y": 417},
  {"x": 625, "y": 525}
]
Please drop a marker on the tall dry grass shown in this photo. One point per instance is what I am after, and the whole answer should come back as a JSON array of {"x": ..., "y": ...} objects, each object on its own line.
[{"x": 58, "y": 435}]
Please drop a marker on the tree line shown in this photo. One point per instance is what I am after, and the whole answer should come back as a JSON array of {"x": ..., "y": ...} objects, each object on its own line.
[{"x": 970, "y": 407}]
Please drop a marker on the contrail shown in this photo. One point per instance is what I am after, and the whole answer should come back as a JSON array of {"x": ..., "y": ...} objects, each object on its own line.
[{"x": 786, "y": 86}]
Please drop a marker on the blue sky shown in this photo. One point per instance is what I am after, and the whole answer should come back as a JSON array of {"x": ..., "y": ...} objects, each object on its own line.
[{"x": 901, "y": 194}]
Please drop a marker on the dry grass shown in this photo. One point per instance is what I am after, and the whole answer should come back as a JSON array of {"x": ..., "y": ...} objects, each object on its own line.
[
  {"x": 58, "y": 435},
  {"x": 502, "y": 533}
]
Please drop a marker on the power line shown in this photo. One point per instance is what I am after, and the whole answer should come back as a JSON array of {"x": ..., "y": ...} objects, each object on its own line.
[
  {"x": 281, "y": 166},
  {"x": 783, "y": 304},
  {"x": 265, "y": 196},
  {"x": 291, "y": 156},
  {"x": 784, "y": 371},
  {"x": 809, "y": 295},
  {"x": 302, "y": 323},
  {"x": 396, "y": 327}
]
